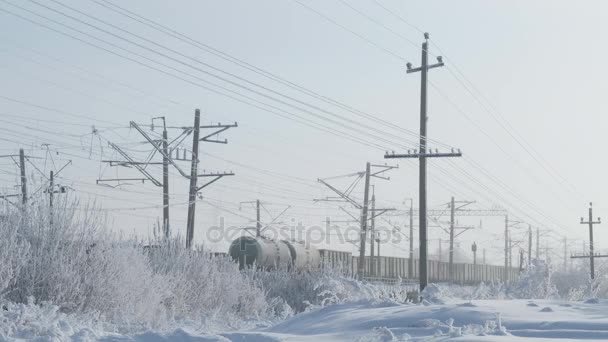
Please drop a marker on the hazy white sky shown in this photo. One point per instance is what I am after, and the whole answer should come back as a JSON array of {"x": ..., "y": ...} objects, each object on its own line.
[{"x": 538, "y": 65}]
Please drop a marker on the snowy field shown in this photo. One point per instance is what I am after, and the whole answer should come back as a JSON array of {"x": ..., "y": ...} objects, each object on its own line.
[{"x": 366, "y": 320}]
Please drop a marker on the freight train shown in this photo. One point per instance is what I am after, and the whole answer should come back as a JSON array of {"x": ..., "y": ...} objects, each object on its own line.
[{"x": 266, "y": 253}]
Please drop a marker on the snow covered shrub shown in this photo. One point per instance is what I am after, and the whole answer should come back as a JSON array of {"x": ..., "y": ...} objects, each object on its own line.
[
  {"x": 534, "y": 282},
  {"x": 13, "y": 251},
  {"x": 201, "y": 285}
]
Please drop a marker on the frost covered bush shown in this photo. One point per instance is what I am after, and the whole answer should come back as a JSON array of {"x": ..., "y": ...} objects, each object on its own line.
[
  {"x": 534, "y": 282},
  {"x": 76, "y": 264},
  {"x": 295, "y": 291},
  {"x": 201, "y": 285}
]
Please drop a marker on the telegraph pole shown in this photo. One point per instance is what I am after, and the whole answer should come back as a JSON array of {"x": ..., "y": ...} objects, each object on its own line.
[
  {"x": 361, "y": 265},
  {"x": 591, "y": 223},
  {"x": 422, "y": 155}
]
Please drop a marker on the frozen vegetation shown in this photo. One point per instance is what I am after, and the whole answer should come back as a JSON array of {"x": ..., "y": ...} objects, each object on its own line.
[{"x": 74, "y": 280}]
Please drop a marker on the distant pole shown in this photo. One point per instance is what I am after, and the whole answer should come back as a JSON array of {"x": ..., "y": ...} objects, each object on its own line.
[
  {"x": 565, "y": 253},
  {"x": 23, "y": 177},
  {"x": 361, "y": 266},
  {"x": 537, "y": 243},
  {"x": 51, "y": 192},
  {"x": 410, "y": 264},
  {"x": 451, "y": 260},
  {"x": 591, "y": 253},
  {"x": 521, "y": 260},
  {"x": 440, "y": 251},
  {"x": 484, "y": 256},
  {"x": 193, "y": 179},
  {"x": 372, "y": 236},
  {"x": 506, "y": 271},
  {"x": 529, "y": 244},
  {"x": 165, "y": 181},
  {"x": 258, "y": 225},
  {"x": 474, "y": 249},
  {"x": 510, "y": 251}
]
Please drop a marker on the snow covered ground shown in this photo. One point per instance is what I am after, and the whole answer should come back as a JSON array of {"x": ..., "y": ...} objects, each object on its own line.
[{"x": 457, "y": 320}]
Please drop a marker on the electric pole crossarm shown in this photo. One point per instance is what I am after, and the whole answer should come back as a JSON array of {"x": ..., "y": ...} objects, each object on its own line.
[
  {"x": 341, "y": 194},
  {"x": 159, "y": 149},
  {"x": 217, "y": 177},
  {"x": 120, "y": 179},
  {"x": 422, "y": 155},
  {"x": 219, "y": 129},
  {"x": 138, "y": 167}
]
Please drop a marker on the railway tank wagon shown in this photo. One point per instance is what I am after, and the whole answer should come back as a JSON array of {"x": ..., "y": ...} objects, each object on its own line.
[{"x": 266, "y": 253}]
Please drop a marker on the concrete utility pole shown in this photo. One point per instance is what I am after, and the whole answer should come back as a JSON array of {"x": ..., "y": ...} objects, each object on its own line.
[
  {"x": 537, "y": 243},
  {"x": 372, "y": 236},
  {"x": 521, "y": 260},
  {"x": 484, "y": 256},
  {"x": 506, "y": 271},
  {"x": 361, "y": 265},
  {"x": 410, "y": 263},
  {"x": 565, "y": 253},
  {"x": 422, "y": 155},
  {"x": 451, "y": 260},
  {"x": 166, "y": 228},
  {"x": 474, "y": 249},
  {"x": 364, "y": 207},
  {"x": 23, "y": 176},
  {"x": 510, "y": 251},
  {"x": 258, "y": 224},
  {"x": 193, "y": 179},
  {"x": 591, "y": 223}
]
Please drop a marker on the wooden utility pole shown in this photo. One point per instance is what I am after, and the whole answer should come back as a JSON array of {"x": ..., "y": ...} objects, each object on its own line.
[
  {"x": 361, "y": 265},
  {"x": 422, "y": 155},
  {"x": 591, "y": 223},
  {"x": 193, "y": 178}
]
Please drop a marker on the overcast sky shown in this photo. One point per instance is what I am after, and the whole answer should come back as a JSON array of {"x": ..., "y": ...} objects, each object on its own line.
[{"x": 522, "y": 95}]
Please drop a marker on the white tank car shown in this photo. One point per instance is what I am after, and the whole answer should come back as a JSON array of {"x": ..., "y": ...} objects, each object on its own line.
[
  {"x": 266, "y": 253},
  {"x": 303, "y": 257}
]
